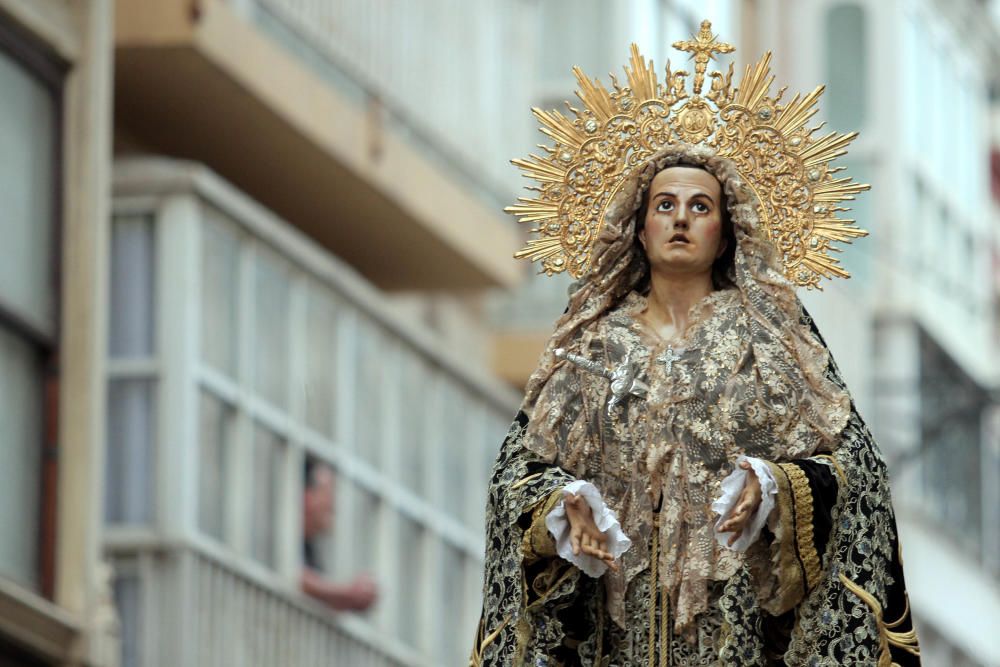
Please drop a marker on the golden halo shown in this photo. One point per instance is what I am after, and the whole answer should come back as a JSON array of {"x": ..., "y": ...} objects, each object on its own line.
[{"x": 618, "y": 129}]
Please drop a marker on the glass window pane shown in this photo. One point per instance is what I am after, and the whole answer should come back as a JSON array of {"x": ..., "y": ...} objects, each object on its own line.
[
  {"x": 366, "y": 521},
  {"x": 128, "y": 601},
  {"x": 220, "y": 252},
  {"x": 913, "y": 53},
  {"x": 411, "y": 573},
  {"x": 991, "y": 488},
  {"x": 846, "y": 67},
  {"x": 20, "y": 458},
  {"x": 413, "y": 424},
  {"x": 272, "y": 288},
  {"x": 132, "y": 287},
  {"x": 216, "y": 423},
  {"x": 321, "y": 358},
  {"x": 371, "y": 429},
  {"x": 268, "y": 449},
  {"x": 27, "y": 194},
  {"x": 455, "y": 450},
  {"x": 451, "y": 588},
  {"x": 951, "y": 429},
  {"x": 131, "y": 457}
]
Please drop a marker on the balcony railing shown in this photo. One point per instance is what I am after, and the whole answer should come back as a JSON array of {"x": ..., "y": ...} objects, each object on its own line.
[{"x": 238, "y": 349}]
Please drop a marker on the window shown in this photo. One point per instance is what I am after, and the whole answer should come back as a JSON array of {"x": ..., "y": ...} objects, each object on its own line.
[
  {"x": 914, "y": 53},
  {"x": 321, "y": 349},
  {"x": 413, "y": 407},
  {"x": 130, "y": 484},
  {"x": 216, "y": 460},
  {"x": 991, "y": 488},
  {"x": 952, "y": 409},
  {"x": 30, "y": 122},
  {"x": 219, "y": 271},
  {"x": 268, "y": 454}
]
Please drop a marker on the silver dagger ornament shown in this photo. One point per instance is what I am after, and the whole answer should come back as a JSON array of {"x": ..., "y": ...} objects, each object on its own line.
[{"x": 623, "y": 376}]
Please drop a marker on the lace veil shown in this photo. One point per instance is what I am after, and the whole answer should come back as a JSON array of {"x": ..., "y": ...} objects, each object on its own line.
[{"x": 779, "y": 380}]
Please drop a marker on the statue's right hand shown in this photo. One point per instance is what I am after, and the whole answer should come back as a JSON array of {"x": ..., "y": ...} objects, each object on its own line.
[{"x": 584, "y": 535}]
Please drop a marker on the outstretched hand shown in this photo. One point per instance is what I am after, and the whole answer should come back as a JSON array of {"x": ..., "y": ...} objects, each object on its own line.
[
  {"x": 584, "y": 535},
  {"x": 746, "y": 505}
]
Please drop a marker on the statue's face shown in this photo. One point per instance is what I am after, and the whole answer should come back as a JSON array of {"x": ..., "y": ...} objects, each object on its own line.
[{"x": 683, "y": 226}]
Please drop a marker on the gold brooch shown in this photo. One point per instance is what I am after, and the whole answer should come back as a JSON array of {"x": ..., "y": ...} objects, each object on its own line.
[{"x": 617, "y": 130}]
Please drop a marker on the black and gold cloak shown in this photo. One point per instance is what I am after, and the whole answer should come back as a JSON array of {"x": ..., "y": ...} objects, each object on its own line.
[{"x": 837, "y": 594}]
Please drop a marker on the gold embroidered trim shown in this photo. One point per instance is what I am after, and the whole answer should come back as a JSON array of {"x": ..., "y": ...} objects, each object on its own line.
[
  {"x": 787, "y": 565},
  {"x": 654, "y": 584},
  {"x": 543, "y": 596},
  {"x": 537, "y": 541},
  {"x": 476, "y": 659},
  {"x": 523, "y": 631},
  {"x": 803, "y": 499},
  {"x": 664, "y": 627},
  {"x": 906, "y": 641}
]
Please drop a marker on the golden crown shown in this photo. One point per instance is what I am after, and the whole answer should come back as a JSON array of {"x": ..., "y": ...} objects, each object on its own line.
[{"x": 616, "y": 131}]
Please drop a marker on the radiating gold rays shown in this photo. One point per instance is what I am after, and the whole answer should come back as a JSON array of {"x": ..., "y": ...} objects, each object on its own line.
[{"x": 618, "y": 128}]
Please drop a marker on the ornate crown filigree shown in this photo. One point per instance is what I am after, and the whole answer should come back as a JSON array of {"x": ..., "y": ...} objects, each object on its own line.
[{"x": 781, "y": 160}]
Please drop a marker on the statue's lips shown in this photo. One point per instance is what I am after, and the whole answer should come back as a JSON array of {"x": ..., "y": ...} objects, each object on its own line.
[{"x": 677, "y": 238}]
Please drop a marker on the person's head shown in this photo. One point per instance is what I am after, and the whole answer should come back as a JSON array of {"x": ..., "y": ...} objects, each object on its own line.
[
  {"x": 317, "y": 498},
  {"x": 683, "y": 224}
]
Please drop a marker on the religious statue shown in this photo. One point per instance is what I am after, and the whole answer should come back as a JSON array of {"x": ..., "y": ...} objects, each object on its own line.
[{"x": 688, "y": 481}]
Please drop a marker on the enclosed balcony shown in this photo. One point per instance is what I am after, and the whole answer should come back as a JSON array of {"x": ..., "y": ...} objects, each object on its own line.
[
  {"x": 238, "y": 348},
  {"x": 390, "y": 153}
]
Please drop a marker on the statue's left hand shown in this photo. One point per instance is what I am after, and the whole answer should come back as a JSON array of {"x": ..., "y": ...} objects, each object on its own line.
[{"x": 746, "y": 505}]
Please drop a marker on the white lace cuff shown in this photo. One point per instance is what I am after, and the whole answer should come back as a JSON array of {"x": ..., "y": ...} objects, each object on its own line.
[
  {"x": 604, "y": 517},
  {"x": 732, "y": 486}
]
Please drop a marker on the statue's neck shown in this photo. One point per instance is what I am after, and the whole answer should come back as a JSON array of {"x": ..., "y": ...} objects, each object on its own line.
[{"x": 671, "y": 297}]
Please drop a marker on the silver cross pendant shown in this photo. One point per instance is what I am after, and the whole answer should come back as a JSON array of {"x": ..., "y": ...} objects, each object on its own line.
[{"x": 668, "y": 358}]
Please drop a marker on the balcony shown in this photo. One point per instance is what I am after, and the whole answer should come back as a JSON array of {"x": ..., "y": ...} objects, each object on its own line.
[
  {"x": 391, "y": 155},
  {"x": 238, "y": 347}
]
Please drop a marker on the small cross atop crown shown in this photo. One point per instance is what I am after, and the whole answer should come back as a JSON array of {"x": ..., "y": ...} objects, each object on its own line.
[{"x": 703, "y": 47}]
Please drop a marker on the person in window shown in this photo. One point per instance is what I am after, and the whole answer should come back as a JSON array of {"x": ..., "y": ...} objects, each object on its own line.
[
  {"x": 317, "y": 520},
  {"x": 687, "y": 481}
]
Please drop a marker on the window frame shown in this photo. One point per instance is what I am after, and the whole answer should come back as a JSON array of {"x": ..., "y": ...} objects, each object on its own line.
[{"x": 48, "y": 69}]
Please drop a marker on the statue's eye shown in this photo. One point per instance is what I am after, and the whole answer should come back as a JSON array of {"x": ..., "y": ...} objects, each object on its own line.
[
  {"x": 665, "y": 206},
  {"x": 700, "y": 207}
]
